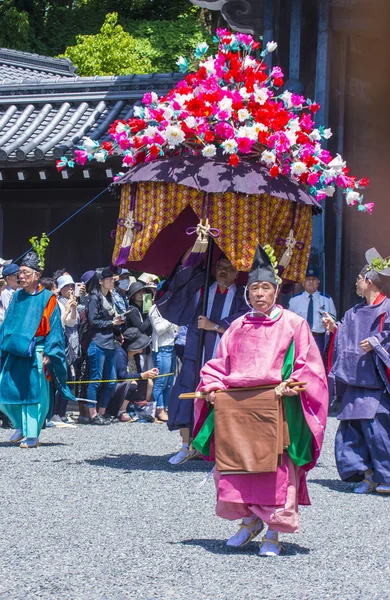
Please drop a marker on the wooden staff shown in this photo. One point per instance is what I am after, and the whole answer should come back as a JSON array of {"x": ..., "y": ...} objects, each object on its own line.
[{"x": 299, "y": 386}]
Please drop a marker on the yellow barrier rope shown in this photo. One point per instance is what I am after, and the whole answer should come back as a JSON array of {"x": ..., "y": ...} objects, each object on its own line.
[{"x": 119, "y": 380}]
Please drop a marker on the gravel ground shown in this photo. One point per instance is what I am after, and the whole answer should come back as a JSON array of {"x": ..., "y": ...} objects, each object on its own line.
[{"x": 97, "y": 513}]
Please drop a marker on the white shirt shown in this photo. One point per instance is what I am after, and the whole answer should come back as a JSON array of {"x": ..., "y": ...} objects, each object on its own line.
[
  {"x": 321, "y": 303},
  {"x": 6, "y": 296},
  {"x": 164, "y": 332}
]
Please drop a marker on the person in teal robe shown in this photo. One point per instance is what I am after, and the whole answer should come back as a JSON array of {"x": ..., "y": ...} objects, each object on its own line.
[{"x": 32, "y": 353}]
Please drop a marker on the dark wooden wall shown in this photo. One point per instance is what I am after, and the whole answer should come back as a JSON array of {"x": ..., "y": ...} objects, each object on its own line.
[{"x": 83, "y": 243}]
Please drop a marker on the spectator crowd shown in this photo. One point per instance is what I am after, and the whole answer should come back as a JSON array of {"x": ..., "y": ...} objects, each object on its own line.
[{"x": 121, "y": 354}]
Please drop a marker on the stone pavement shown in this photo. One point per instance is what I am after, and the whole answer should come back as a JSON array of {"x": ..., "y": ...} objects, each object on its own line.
[{"x": 97, "y": 513}]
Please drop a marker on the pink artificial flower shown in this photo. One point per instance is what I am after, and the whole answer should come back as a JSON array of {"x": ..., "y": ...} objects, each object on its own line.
[
  {"x": 306, "y": 151},
  {"x": 297, "y": 100},
  {"x": 222, "y": 115},
  {"x": 128, "y": 160},
  {"x": 148, "y": 98},
  {"x": 369, "y": 206},
  {"x": 320, "y": 195},
  {"x": 277, "y": 72},
  {"x": 307, "y": 123},
  {"x": 313, "y": 178},
  {"x": 123, "y": 141},
  {"x": 343, "y": 181},
  {"x": 325, "y": 156},
  {"x": 157, "y": 139},
  {"x": 244, "y": 38},
  {"x": 224, "y": 130},
  {"x": 244, "y": 145},
  {"x": 81, "y": 156}
]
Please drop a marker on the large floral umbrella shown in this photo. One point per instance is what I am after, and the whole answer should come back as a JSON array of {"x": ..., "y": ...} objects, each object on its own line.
[{"x": 230, "y": 142}]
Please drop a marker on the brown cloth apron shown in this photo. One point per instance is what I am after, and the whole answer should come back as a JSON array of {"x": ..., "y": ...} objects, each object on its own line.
[{"x": 251, "y": 430}]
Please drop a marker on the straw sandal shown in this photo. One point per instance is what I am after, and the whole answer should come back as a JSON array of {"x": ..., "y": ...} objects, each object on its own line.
[
  {"x": 265, "y": 548},
  {"x": 252, "y": 532}
]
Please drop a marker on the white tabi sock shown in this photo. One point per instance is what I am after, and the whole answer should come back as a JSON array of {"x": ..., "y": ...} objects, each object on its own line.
[
  {"x": 180, "y": 456},
  {"x": 249, "y": 529}
]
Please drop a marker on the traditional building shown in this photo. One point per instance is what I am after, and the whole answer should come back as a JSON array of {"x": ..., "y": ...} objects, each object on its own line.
[{"x": 45, "y": 109}]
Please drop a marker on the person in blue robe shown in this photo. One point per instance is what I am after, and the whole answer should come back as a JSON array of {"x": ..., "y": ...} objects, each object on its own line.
[
  {"x": 181, "y": 304},
  {"x": 32, "y": 351},
  {"x": 359, "y": 360}
]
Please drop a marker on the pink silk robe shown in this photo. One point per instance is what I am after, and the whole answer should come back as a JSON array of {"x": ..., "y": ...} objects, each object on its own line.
[{"x": 251, "y": 353}]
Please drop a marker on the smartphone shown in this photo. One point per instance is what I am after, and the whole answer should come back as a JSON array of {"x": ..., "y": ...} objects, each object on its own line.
[{"x": 77, "y": 290}]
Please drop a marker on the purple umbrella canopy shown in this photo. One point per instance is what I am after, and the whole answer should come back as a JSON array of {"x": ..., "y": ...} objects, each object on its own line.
[{"x": 215, "y": 176}]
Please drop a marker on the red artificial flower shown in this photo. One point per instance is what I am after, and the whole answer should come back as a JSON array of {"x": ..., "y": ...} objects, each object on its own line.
[
  {"x": 278, "y": 82},
  {"x": 138, "y": 142},
  {"x": 244, "y": 145},
  {"x": 233, "y": 160},
  {"x": 315, "y": 107},
  {"x": 107, "y": 146},
  {"x": 302, "y": 138},
  {"x": 274, "y": 171},
  {"x": 310, "y": 161},
  {"x": 363, "y": 182},
  {"x": 208, "y": 137},
  {"x": 60, "y": 166},
  {"x": 154, "y": 151},
  {"x": 136, "y": 125},
  {"x": 303, "y": 177}
]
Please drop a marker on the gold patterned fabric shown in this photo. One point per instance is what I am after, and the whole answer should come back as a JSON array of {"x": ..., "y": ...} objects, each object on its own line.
[{"x": 243, "y": 220}]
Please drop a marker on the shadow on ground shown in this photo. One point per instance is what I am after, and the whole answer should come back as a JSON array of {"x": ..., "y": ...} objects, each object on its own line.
[
  {"x": 145, "y": 462},
  {"x": 335, "y": 485},
  {"x": 219, "y": 547}
]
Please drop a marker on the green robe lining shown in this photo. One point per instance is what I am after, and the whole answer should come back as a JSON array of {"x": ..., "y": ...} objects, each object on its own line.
[{"x": 301, "y": 438}]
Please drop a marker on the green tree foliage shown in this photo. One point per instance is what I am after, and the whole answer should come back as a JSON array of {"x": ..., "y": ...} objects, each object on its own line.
[
  {"x": 112, "y": 51},
  {"x": 148, "y": 46},
  {"x": 50, "y": 26}
]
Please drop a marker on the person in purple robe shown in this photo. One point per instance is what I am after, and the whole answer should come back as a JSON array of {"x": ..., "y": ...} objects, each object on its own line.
[
  {"x": 359, "y": 369},
  {"x": 181, "y": 304}
]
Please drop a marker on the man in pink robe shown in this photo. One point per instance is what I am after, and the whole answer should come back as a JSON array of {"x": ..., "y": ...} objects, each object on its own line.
[{"x": 253, "y": 353}]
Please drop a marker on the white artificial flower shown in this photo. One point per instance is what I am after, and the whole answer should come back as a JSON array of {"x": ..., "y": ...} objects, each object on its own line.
[
  {"x": 89, "y": 144},
  {"x": 249, "y": 62},
  {"x": 174, "y": 135},
  {"x": 327, "y": 133},
  {"x": 286, "y": 97},
  {"x": 154, "y": 96},
  {"x": 150, "y": 131},
  {"x": 260, "y": 127},
  {"x": 190, "y": 122},
  {"x": 202, "y": 47},
  {"x": 209, "y": 151},
  {"x": 291, "y": 136},
  {"x": 182, "y": 62},
  {"x": 249, "y": 132},
  {"x": 315, "y": 135},
  {"x": 261, "y": 94},
  {"x": 209, "y": 65},
  {"x": 243, "y": 114},
  {"x": 120, "y": 128},
  {"x": 229, "y": 146},
  {"x": 337, "y": 163},
  {"x": 100, "y": 156},
  {"x": 244, "y": 94},
  {"x": 297, "y": 168},
  {"x": 330, "y": 190},
  {"x": 352, "y": 197},
  {"x": 268, "y": 158},
  {"x": 225, "y": 104},
  {"x": 294, "y": 125},
  {"x": 138, "y": 111},
  {"x": 182, "y": 98},
  {"x": 330, "y": 173},
  {"x": 168, "y": 113},
  {"x": 271, "y": 46}
]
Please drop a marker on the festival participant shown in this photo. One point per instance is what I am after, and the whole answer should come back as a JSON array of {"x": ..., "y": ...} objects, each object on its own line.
[
  {"x": 32, "y": 352},
  {"x": 181, "y": 304},
  {"x": 273, "y": 347},
  {"x": 359, "y": 362},
  {"x": 311, "y": 305}
]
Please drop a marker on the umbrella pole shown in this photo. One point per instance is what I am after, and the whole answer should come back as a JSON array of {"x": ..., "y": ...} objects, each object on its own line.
[{"x": 205, "y": 300}]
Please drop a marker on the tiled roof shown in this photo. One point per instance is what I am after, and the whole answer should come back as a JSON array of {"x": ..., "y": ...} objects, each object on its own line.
[
  {"x": 16, "y": 66},
  {"x": 41, "y": 118}
]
